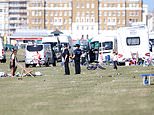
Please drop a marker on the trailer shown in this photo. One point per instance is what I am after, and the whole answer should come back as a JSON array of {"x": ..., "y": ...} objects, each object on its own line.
[{"x": 132, "y": 43}]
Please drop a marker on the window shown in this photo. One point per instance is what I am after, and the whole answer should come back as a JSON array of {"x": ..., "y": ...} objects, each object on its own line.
[
  {"x": 132, "y": 41},
  {"x": 107, "y": 45},
  {"x": 92, "y": 5},
  {"x": 88, "y": 5},
  {"x": 34, "y": 47}
]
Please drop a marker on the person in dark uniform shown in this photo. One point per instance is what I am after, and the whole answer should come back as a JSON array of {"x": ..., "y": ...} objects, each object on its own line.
[
  {"x": 66, "y": 55},
  {"x": 76, "y": 57}
]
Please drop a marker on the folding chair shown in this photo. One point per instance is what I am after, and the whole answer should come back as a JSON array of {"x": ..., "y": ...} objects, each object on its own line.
[{"x": 25, "y": 71}]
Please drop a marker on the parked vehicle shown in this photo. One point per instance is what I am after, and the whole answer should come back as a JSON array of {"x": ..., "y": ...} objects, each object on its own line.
[
  {"x": 132, "y": 42},
  {"x": 107, "y": 44},
  {"x": 2, "y": 52},
  {"x": 57, "y": 44},
  {"x": 45, "y": 51}
]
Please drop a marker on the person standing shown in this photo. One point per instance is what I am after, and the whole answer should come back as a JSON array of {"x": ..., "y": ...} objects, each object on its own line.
[
  {"x": 115, "y": 60},
  {"x": 76, "y": 57},
  {"x": 66, "y": 60},
  {"x": 13, "y": 60}
]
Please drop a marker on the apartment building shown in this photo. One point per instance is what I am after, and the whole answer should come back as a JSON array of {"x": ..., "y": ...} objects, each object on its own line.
[
  {"x": 83, "y": 17},
  {"x": 14, "y": 13},
  {"x": 117, "y": 13},
  {"x": 50, "y": 14},
  {"x": 4, "y": 20}
]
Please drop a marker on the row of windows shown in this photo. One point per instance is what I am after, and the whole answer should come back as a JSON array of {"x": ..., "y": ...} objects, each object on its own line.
[
  {"x": 85, "y": 28},
  {"x": 115, "y": 5},
  {"x": 37, "y": 4},
  {"x": 119, "y": 13},
  {"x": 48, "y": 13},
  {"x": 52, "y": 21},
  {"x": 83, "y": 5},
  {"x": 52, "y": 27},
  {"x": 82, "y": 19},
  {"x": 86, "y": 5},
  {"x": 84, "y": 14}
]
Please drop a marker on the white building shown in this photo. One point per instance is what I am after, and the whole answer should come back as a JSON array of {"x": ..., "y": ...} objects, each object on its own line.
[
  {"x": 4, "y": 20},
  {"x": 150, "y": 21}
]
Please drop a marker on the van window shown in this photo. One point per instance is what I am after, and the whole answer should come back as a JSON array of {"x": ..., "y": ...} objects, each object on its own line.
[
  {"x": 152, "y": 41},
  {"x": 32, "y": 48},
  {"x": 132, "y": 41},
  {"x": 107, "y": 45}
]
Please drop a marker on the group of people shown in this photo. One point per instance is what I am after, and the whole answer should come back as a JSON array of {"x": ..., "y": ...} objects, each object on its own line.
[
  {"x": 66, "y": 56},
  {"x": 76, "y": 57}
]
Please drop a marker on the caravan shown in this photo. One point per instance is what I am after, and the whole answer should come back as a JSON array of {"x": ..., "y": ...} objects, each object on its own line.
[
  {"x": 107, "y": 44},
  {"x": 132, "y": 43}
]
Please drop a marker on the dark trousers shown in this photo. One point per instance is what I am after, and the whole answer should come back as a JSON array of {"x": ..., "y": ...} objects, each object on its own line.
[
  {"x": 115, "y": 64},
  {"x": 77, "y": 68},
  {"x": 67, "y": 70}
]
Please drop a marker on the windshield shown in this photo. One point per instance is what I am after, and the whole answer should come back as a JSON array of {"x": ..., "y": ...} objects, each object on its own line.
[
  {"x": 107, "y": 45},
  {"x": 32, "y": 48}
]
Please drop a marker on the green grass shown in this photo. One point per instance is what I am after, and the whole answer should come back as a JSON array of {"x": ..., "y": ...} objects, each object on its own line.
[{"x": 98, "y": 92}]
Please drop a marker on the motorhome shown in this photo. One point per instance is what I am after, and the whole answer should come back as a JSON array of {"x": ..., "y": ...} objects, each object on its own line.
[
  {"x": 107, "y": 44},
  {"x": 132, "y": 42},
  {"x": 2, "y": 52}
]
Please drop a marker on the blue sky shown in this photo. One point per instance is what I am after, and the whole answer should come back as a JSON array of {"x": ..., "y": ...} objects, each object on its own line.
[{"x": 150, "y": 4}]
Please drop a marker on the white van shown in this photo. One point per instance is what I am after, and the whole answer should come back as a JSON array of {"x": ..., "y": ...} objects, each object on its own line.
[
  {"x": 2, "y": 52},
  {"x": 133, "y": 42},
  {"x": 45, "y": 52},
  {"x": 107, "y": 43}
]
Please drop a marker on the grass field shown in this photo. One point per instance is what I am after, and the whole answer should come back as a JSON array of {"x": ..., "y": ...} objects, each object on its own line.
[{"x": 96, "y": 92}]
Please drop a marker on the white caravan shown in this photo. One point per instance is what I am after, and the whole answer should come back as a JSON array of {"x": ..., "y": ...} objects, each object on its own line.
[
  {"x": 107, "y": 44},
  {"x": 132, "y": 42}
]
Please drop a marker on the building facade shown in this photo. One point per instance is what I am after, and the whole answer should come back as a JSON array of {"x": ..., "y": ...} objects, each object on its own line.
[
  {"x": 4, "y": 20},
  {"x": 14, "y": 15},
  {"x": 82, "y": 18}
]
